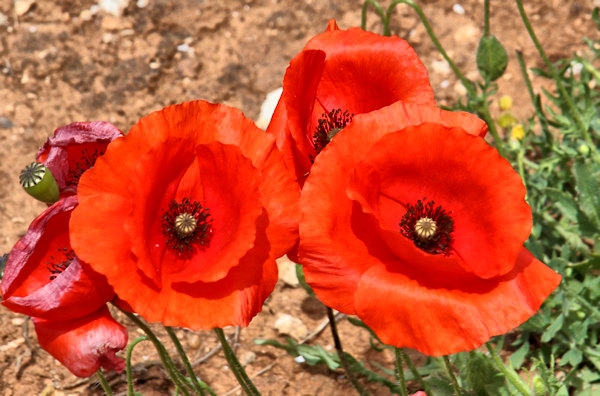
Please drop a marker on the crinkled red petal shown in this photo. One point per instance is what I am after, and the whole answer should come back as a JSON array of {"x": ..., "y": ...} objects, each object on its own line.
[
  {"x": 86, "y": 344},
  {"x": 27, "y": 286}
]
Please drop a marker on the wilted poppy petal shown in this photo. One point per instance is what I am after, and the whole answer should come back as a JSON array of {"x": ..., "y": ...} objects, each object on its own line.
[
  {"x": 85, "y": 344},
  {"x": 209, "y": 168},
  {"x": 73, "y": 149},
  {"x": 44, "y": 278},
  {"x": 440, "y": 318},
  {"x": 338, "y": 75}
]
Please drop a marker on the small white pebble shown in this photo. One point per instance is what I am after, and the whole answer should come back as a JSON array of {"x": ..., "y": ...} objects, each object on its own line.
[
  {"x": 17, "y": 321},
  {"x": 458, "y": 9}
]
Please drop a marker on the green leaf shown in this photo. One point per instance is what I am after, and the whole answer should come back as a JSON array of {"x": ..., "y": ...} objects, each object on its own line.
[
  {"x": 491, "y": 58},
  {"x": 564, "y": 202},
  {"x": 588, "y": 191},
  {"x": 573, "y": 357},
  {"x": 517, "y": 358},
  {"x": 553, "y": 328}
]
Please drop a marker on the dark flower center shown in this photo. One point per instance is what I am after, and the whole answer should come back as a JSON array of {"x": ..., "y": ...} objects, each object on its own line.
[
  {"x": 328, "y": 126},
  {"x": 87, "y": 160},
  {"x": 429, "y": 228},
  {"x": 186, "y": 225},
  {"x": 57, "y": 265}
]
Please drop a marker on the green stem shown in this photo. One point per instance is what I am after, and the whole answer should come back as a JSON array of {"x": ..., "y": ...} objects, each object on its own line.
[
  {"x": 540, "y": 115},
  {"x": 399, "y": 371},
  {"x": 378, "y": 9},
  {"x": 573, "y": 111},
  {"x": 509, "y": 373},
  {"x": 104, "y": 383},
  {"x": 487, "y": 116},
  {"x": 342, "y": 355},
  {"x": 130, "y": 390},
  {"x": 199, "y": 385},
  {"x": 162, "y": 353},
  {"x": 452, "y": 376},
  {"x": 464, "y": 80},
  {"x": 486, "y": 18},
  {"x": 239, "y": 372},
  {"x": 414, "y": 371}
]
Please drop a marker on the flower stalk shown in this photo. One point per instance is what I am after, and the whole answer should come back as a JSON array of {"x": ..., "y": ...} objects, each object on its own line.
[{"x": 237, "y": 369}]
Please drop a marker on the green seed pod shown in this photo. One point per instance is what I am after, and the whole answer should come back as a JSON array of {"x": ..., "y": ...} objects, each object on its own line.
[
  {"x": 37, "y": 181},
  {"x": 491, "y": 58}
]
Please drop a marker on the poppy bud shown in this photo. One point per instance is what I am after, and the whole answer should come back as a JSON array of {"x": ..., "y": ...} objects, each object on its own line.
[{"x": 37, "y": 180}]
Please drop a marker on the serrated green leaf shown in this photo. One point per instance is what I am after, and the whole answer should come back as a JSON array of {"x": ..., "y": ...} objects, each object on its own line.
[
  {"x": 564, "y": 202},
  {"x": 588, "y": 191},
  {"x": 553, "y": 328},
  {"x": 315, "y": 354},
  {"x": 491, "y": 58},
  {"x": 573, "y": 357},
  {"x": 517, "y": 358}
]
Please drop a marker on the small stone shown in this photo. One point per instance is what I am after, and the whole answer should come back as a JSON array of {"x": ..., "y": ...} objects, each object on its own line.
[
  {"x": 247, "y": 358},
  {"x": 268, "y": 107},
  {"x": 292, "y": 326},
  {"x": 193, "y": 341},
  {"x": 458, "y": 9},
  {"x": 113, "y": 7},
  {"x": 86, "y": 15},
  {"x": 440, "y": 67},
  {"x": 6, "y": 123},
  {"x": 287, "y": 271},
  {"x": 460, "y": 89},
  {"x": 23, "y": 6},
  {"x": 17, "y": 321}
]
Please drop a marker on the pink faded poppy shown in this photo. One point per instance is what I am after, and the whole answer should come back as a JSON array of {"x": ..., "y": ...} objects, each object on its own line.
[
  {"x": 73, "y": 149},
  {"x": 186, "y": 214},
  {"x": 338, "y": 75},
  {"x": 43, "y": 277},
  {"x": 84, "y": 345},
  {"x": 412, "y": 222}
]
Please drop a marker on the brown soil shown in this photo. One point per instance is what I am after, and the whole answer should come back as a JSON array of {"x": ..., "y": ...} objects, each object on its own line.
[{"x": 61, "y": 63}]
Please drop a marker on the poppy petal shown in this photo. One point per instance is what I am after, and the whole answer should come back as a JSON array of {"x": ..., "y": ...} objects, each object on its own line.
[
  {"x": 404, "y": 310},
  {"x": 351, "y": 71},
  {"x": 480, "y": 190},
  {"x": 219, "y": 159},
  {"x": 85, "y": 344},
  {"x": 73, "y": 149},
  {"x": 43, "y": 277}
]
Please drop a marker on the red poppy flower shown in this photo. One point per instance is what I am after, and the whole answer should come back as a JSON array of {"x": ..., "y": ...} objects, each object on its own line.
[
  {"x": 339, "y": 74},
  {"x": 412, "y": 222},
  {"x": 85, "y": 344},
  {"x": 44, "y": 278},
  {"x": 73, "y": 149},
  {"x": 186, "y": 214}
]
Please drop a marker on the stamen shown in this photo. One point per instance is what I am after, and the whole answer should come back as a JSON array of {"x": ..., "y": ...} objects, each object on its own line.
[
  {"x": 88, "y": 159},
  {"x": 186, "y": 226},
  {"x": 430, "y": 229},
  {"x": 328, "y": 126},
  {"x": 57, "y": 267}
]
